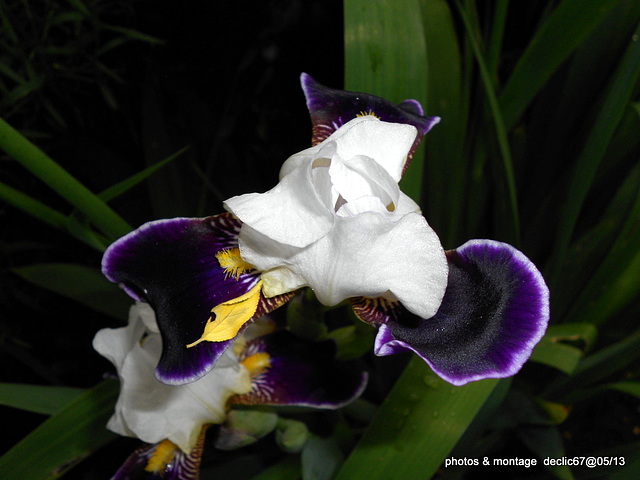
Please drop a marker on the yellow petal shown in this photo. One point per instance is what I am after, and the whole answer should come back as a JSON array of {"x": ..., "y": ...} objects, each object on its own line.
[{"x": 230, "y": 317}]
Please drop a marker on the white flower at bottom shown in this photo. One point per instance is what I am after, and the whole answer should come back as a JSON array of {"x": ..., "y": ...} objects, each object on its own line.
[{"x": 153, "y": 411}]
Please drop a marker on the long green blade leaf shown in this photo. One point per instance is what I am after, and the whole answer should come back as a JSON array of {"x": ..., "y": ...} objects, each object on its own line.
[
  {"x": 65, "y": 438},
  {"x": 501, "y": 130},
  {"x": 381, "y": 62},
  {"x": 37, "y": 398},
  {"x": 446, "y": 165},
  {"x": 416, "y": 428},
  {"x": 47, "y": 170},
  {"x": 564, "y": 30},
  {"x": 83, "y": 284},
  {"x": 118, "y": 189},
  {"x": 615, "y": 102},
  {"x": 32, "y": 207}
]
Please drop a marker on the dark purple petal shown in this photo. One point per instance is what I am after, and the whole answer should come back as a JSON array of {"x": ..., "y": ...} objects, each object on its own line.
[
  {"x": 172, "y": 265},
  {"x": 162, "y": 461},
  {"x": 495, "y": 310},
  {"x": 330, "y": 109},
  {"x": 286, "y": 370}
]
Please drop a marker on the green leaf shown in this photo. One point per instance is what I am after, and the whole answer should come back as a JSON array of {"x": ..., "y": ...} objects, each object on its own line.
[
  {"x": 65, "y": 438},
  {"x": 416, "y": 427},
  {"x": 616, "y": 283},
  {"x": 320, "y": 458},
  {"x": 446, "y": 168},
  {"x": 287, "y": 469},
  {"x": 546, "y": 442},
  {"x": 37, "y": 398},
  {"x": 135, "y": 34},
  {"x": 499, "y": 124},
  {"x": 43, "y": 167},
  {"x": 381, "y": 62},
  {"x": 555, "y": 349},
  {"x": 598, "y": 366},
  {"x": 32, "y": 207},
  {"x": 630, "y": 387},
  {"x": 616, "y": 100},
  {"x": 83, "y": 284},
  {"x": 556, "y": 39},
  {"x": 120, "y": 188}
]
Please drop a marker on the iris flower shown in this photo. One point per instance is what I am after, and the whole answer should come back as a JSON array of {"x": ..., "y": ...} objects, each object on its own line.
[
  {"x": 264, "y": 367},
  {"x": 338, "y": 223}
]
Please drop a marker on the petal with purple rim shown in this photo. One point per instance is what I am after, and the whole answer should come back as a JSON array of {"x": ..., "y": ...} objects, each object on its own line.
[
  {"x": 288, "y": 371},
  {"x": 495, "y": 310},
  {"x": 173, "y": 266},
  {"x": 330, "y": 109}
]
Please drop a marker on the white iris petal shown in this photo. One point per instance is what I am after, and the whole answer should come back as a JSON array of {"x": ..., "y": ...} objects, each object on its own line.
[
  {"x": 153, "y": 411},
  {"x": 338, "y": 222}
]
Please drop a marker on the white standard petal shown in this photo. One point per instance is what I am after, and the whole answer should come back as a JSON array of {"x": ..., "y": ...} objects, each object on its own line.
[
  {"x": 367, "y": 255},
  {"x": 153, "y": 411},
  {"x": 292, "y": 212},
  {"x": 387, "y": 143}
]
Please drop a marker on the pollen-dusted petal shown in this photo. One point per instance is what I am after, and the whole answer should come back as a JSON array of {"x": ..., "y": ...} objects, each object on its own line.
[
  {"x": 164, "y": 461},
  {"x": 330, "y": 109},
  {"x": 495, "y": 310},
  {"x": 286, "y": 370},
  {"x": 172, "y": 265}
]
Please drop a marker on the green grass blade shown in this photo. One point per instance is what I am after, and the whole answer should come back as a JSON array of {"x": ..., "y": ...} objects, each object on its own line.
[
  {"x": 616, "y": 100},
  {"x": 82, "y": 284},
  {"x": 630, "y": 387},
  {"x": 381, "y": 62},
  {"x": 564, "y": 30},
  {"x": 120, "y": 188},
  {"x": 52, "y": 217},
  {"x": 47, "y": 170},
  {"x": 65, "y": 438},
  {"x": 32, "y": 207},
  {"x": 563, "y": 346},
  {"x": 37, "y": 398},
  {"x": 287, "y": 469},
  {"x": 497, "y": 34},
  {"x": 598, "y": 366},
  {"x": 499, "y": 124},
  {"x": 416, "y": 427},
  {"x": 446, "y": 165}
]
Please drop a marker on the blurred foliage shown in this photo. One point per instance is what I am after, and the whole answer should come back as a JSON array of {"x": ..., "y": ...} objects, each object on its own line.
[{"x": 539, "y": 146}]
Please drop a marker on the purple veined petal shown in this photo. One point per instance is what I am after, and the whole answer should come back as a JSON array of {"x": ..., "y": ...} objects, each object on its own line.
[
  {"x": 163, "y": 461},
  {"x": 286, "y": 370},
  {"x": 172, "y": 265},
  {"x": 330, "y": 109},
  {"x": 494, "y": 312}
]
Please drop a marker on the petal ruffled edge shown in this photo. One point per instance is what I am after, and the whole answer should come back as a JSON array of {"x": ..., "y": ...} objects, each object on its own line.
[
  {"x": 495, "y": 310},
  {"x": 286, "y": 370},
  {"x": 330, "y": 109},
  {"x": 172, "y": 265}
]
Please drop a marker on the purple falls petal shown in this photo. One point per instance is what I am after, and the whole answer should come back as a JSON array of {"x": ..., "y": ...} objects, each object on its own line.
[
  {"x": 163, "y": 461},
  {"x": 299, "y": 373},
  {"x": 172, "y": 265},
  {"x": 330, "y": 109},
  {"x": 495, "y": 310}
]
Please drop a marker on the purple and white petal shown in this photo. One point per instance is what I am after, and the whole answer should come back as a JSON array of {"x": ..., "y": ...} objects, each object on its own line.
[
  {"x": 286, "y": 370},
  {"x": 162, "y": 461},
  {"x": 495, "y": 310},
  {"x": 331, "y": 108},
  {"x": 172, "y": 265}
]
